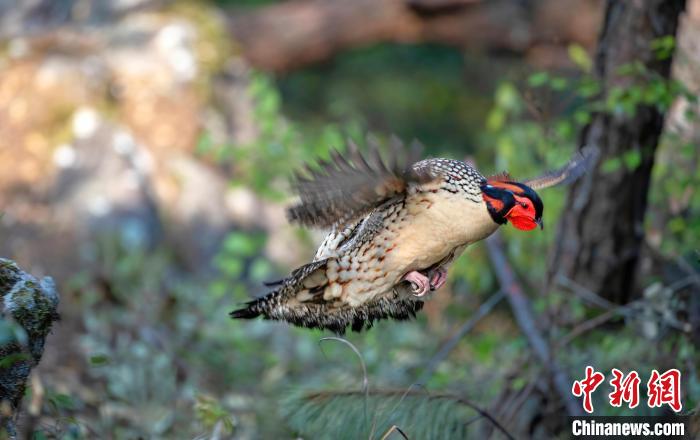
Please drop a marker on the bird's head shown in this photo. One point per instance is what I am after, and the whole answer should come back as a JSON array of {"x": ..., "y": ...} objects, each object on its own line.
[{"x": 507, "y": 200}]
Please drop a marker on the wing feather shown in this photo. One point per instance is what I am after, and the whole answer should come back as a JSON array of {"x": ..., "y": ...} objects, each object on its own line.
[
  {"x": 575, "y": 168},
  {"x": 350, "y": 185}
]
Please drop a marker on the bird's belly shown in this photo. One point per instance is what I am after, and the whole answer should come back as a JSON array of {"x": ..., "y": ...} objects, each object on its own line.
[
  {"x": 425, "y": 232},
  {"x": 433, "y": 228}
]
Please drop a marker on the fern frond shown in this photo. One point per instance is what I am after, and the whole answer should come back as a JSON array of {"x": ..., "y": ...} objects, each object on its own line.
[{"x": 358, "y": 415}]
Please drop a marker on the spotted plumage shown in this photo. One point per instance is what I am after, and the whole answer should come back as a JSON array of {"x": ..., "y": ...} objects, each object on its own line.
[{"x": 395, "y": 227}]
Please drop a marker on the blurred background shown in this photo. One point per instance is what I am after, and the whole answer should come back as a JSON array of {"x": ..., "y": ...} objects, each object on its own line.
[{"x": 145, "y": 152}]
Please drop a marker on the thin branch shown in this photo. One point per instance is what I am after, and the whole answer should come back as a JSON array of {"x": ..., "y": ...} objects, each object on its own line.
[
  {"x": 587, "y": 326},
  {"x": 585, "y": 294},
  {"x": 630, "y": 310},
  {"x": 365, "y": 379},
  {"x": 524, "y": 316},
  {"x": 408, "y": 390},
  {"x": 394, "y": 428}
]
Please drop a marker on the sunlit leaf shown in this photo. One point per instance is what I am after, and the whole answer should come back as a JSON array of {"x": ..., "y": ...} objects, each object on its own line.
[
  {"x": 580, "y": 57},
  {"x": 538, "y": 79}
]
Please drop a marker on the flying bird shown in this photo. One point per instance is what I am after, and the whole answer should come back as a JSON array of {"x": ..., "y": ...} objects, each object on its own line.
[{"x": 395, "y": 228}]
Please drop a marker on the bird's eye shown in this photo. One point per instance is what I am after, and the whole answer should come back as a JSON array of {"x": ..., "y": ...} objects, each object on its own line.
[{"x": 523, "y": 204}]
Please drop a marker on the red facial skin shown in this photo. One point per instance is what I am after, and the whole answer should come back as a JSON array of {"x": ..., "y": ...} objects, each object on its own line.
[{"x": 522, "y": 215}]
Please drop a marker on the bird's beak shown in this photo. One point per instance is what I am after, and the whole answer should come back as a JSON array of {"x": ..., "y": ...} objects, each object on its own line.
[{"x": 540, "y": 223}]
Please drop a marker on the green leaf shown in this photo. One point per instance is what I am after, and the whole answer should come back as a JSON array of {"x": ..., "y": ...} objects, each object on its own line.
[
  {"x": 240, "y": 244},
  {"x": 507, "y": 97},
  {"x": 676, "y": 225},
  {"x": 588, "y": 87},
  {"x": 634, "y": 68},
  {"x": 260, "y": 270},
  {"x": 663, "y": 47},
  {"x": 632, "y": 159},
  {"x": 496, "y": 119},
  {"x": 538, "y": 79},
  {"x": 209, "y": 413},
  {"x": 98, "y": 360},
  {"x": 61, "y": 401},
  {"x": 559, "y": 84},
  {"x": 230, "y": 266},
  {"x": 611, "y": 165},
  {"x": 580, "y": 57},
  {"x": 565, "y": 129},
  {"x": 10, "y": 360},
  {"x": 582, "y": 117},
  {"x": 205, "y": 144}
]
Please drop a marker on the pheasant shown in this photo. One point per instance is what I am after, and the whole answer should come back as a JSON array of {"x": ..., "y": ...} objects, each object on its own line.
[{"x": 395, "y": 228}]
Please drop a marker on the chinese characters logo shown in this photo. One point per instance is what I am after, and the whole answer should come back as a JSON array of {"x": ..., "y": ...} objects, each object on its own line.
[{"x": 662, "y": 389}]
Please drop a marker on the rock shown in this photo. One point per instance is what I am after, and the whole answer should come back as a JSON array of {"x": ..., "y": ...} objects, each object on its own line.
[{"x": 27, "y": 312}]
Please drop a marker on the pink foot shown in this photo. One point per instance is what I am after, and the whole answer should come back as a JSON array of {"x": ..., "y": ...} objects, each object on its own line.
[
  {"x": 419, "y": 283},
  {"x": 438, "y": 278}
]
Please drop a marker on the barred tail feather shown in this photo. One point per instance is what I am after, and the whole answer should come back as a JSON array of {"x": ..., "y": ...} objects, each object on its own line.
[
  {"x": 289, "y": 288},
  {"x": 252, "y": 310},
  {"x": 299, "y": 301}
]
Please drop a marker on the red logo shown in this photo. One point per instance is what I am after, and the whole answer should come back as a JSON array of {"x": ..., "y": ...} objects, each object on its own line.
[
  {"x": 665, "y": 389},
  {"x": 586, "y": 387},
  {"x": 626, "y": 389},
  {"x": 662, "y": 389}
]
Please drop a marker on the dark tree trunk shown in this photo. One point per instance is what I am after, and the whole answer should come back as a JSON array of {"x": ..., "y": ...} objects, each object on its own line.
[{"x": 602, "y": 232}]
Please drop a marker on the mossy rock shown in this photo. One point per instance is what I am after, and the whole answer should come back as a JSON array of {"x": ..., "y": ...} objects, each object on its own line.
[{"x": 27, "y": 311}]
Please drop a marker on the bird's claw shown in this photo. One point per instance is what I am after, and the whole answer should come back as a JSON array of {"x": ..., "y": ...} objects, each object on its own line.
[
  {"x": 438, "y": 278},
  {"x": 420, "y": 284}
]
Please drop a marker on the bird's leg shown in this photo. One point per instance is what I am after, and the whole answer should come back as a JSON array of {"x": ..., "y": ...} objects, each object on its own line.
[
  {"x": 419, "y": 282},
  {"x": 438, "y": 277}
]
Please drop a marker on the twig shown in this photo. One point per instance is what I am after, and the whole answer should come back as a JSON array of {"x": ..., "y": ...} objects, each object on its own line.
[
  {"x": 585, "y": 294},
  {"x": 629, "y": 310},
  {"x": 451, "y": 343},
  {"x": 403, "y": 396},
  {"x": 519, "y": 400},
  {"x": 365, "y": 380},
  {"x": 587, "y": 326},
  {"x": 391, "y": 430},
  {"x": 218, "y": 431},
  {"x": 524, "y": 316}
]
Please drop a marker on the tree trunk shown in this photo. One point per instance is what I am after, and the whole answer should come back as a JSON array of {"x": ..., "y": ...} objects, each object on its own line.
[
  {"x": 687, "y": 130},
  {"x": 602, "y": 231}
]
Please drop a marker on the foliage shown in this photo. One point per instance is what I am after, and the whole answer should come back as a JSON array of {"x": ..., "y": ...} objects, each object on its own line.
[
  {"x": 210, "y": 413},
  {"x": 265, "y": 163},
  {"x": 413, "y": 91},
  {"x": 354, "y": 414}
]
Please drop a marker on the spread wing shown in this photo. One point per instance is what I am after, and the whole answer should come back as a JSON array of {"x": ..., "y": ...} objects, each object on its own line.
[
  {"x": 350, "y": 185},
  {"x": 575, "y": 168}
]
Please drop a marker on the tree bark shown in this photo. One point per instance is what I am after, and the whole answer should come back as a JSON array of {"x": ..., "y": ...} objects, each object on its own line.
[
  {"x": 602, "y": 229},
  {"x": 292, "y": 34},
  {"x": 687, "y": 130}
]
